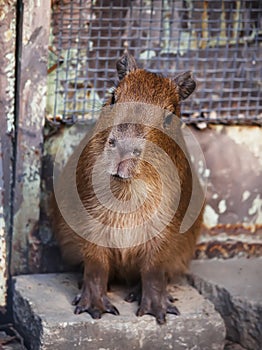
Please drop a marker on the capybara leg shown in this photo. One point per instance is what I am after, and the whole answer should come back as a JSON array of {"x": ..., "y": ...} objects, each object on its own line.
[
  {"x": 155, "y": 300},
  {"x": 93, "y": 298}
]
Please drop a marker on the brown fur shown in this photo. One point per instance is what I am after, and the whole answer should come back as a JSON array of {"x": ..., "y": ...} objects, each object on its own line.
[{"x": 154, "y": 262}]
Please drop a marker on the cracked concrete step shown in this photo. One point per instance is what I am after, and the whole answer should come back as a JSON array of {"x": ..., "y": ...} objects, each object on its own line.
[
  {"x": 44, "y": 315},
  {"x": 235, "y": 288}
]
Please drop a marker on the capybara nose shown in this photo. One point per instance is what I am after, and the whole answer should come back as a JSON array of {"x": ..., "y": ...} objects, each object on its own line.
[{"x": 125, "y": 168}]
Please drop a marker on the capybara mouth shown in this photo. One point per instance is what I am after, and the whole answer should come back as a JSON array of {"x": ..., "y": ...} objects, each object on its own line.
[{"x": 119, "y": 177}]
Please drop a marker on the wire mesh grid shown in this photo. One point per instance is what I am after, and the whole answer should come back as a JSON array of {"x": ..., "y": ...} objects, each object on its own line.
[{"x": 219, "y": 41}]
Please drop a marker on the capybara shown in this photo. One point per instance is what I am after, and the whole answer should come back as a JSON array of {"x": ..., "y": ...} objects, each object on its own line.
[{"x": 134, "y": 182}]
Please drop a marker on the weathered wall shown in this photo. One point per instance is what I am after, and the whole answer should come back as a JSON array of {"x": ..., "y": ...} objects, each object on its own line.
[
  {"x": 29, "y": 142},
  {"x": 7, "y": 92},
  {"x": 49, "y": 257},
  {"x": 233, "y": 216}
]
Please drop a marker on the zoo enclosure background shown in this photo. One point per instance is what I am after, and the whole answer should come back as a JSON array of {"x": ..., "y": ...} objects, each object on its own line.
[{"x": 219, "y": 40}]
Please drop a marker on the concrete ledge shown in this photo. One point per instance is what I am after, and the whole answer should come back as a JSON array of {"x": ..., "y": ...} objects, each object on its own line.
[
  {"x": 234, "y": 286},
  {"x": 44, "y": 315}
]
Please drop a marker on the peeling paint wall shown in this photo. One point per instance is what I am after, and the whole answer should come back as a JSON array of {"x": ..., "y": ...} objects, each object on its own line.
[
  {"x": 26, "y": 245},
  {"x": 7, "y": 92},
  {"x": 233, "y": 215},
  {"x": 51, "y": 259}
]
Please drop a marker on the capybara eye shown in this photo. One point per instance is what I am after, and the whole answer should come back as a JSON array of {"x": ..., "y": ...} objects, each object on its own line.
[
  {"x": 136, "y": 152},
  {"x": 112, "y": 142}
]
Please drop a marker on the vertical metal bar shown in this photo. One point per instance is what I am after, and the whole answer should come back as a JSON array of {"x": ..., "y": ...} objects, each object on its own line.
[
  {"x": 3, "y": 245},
  {"x": 59, "y": 58},
  {"x": 7, "y": 97},
  {"x": 26, "y": 247},
  {"x": 68, "y": 62}
]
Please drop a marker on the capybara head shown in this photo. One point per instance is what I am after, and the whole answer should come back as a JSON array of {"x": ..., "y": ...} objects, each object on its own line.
[{"x": 126, "y": 140}]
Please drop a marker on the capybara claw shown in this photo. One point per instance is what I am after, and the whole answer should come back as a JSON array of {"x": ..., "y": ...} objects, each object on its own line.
[
  {"x": 161, "y": 318},
  {"x": 158, "y": 312},
  {"x": 95, "y": 313},
  {"x": 76, "y": 299},
  {"x": 94, "y": 307},
  {"x": 171, "y": 309},
  {"x": 79, "y": 310}
]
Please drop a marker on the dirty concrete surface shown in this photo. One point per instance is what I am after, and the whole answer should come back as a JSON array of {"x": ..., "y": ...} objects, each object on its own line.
[
  {"x": 234, "y": 287},
  {"x": 44, "y": 315}
]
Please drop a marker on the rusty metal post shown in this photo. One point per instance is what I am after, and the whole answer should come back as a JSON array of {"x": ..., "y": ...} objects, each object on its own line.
[
  {"x": 31, "y": 105},
  {"x": 7, "y": 100},
  {"x": 3, "y": 250}
]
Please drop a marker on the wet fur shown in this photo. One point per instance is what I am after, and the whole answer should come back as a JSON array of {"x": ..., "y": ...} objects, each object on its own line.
[{"x": 151, "y": 264}]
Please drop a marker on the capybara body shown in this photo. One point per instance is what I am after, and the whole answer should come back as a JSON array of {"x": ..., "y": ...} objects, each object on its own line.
[{"x": 135, "y": 181}]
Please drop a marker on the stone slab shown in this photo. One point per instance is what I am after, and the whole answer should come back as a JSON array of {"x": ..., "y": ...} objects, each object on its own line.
[
  {"x": 44, "y": 315},
  {"x": 235, "y": 288}
]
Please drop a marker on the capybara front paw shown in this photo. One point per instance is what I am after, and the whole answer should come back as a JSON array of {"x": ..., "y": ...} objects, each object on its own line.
[
  {"x": 157, "y": 309},
  {"x": 95, "y": 307}
]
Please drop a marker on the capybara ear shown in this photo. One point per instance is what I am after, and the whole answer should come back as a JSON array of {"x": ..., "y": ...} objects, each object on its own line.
[
  {"x": 185, "y": 83},
  {"x": 125, "y": 65}
]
